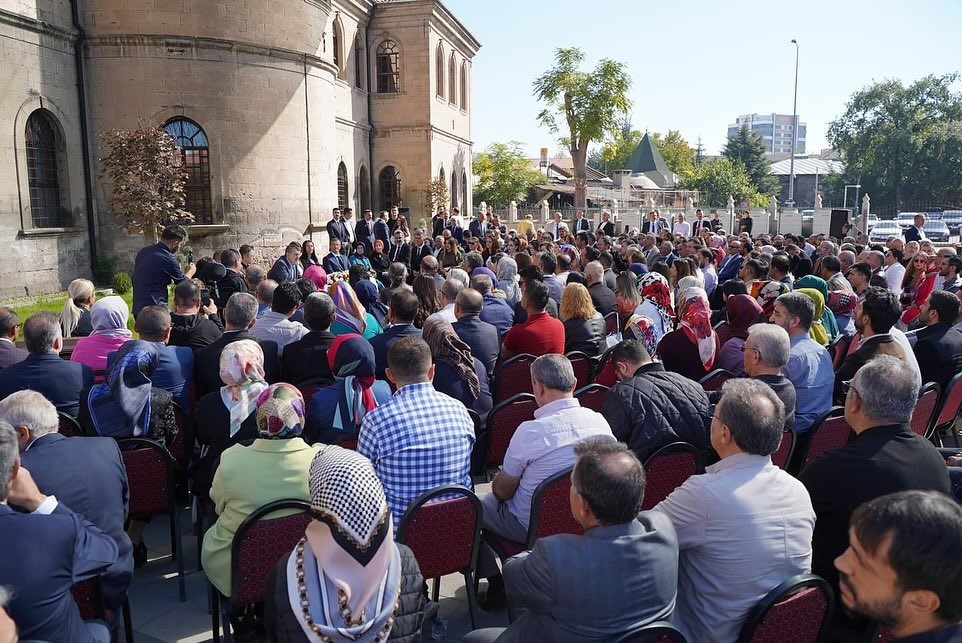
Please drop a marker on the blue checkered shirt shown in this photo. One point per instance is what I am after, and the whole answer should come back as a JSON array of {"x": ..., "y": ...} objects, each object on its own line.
[{"x": 419, "y": 440}]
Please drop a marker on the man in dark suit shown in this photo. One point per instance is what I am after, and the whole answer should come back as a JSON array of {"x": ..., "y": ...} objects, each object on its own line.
[
  {"x": 334, "y": 261},
  {"x": 288, "y": 267},
  {"x": 337, "y": 229},
  {"x": 438, "y": 221},
  {"x": 48, "y": 548},
  {"x": 915, "y": 232},
  {"x": 582, "y": 224},
  {"x": 402, "y": 309},
  {"x": 306, "y": 358},
  {"x": 654, "y": 224},
  {"x": 606, "y": 227},
  {"x": 382, "y": 231},
  {"x": 875, "y": 314},
  {"x": 400, "y": 249},
  {"x": 483, "y": 338},
  {"x": 478, "y": 226},
  {"x": 364, "y": 231},
  {"x": 700, "y": 222},
  {"x": 420, "y": 248},
  {"x": 452, "y": 226},
  {"x": 233, "y": 280},
  {"x": 602, "y": 297},
  {"x": 494, "y": 310},
  {"x": 84, "y": 473},
  {"x": 43, "y": 370},
  {"x": 938, "y": 346},
  {"x": 239, "y": 315},
  {"x": 10, "y": 353}
]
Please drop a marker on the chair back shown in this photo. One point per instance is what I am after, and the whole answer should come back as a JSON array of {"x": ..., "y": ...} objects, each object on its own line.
[
  {"x": 513, "y": 376},
  {"x": 183, "y": 443},
  {"x": 797, "y": 611},
  {"x": 838, "y": 349},
  {"x": 831, "y": 432},
  {"x": 612, "y": 323},
  {"x": 713, "y": 381},
  {"x": 151, "y": 473},
  {"x": 89, "y": 600},
  {"x": 657, "y": 632},
  {"x": 667, "y": 469},
  {"x": 592, "y": 396},
  {"x": 951, "y": 403},
  {"x": 261, "y": 541},
  {"x": 309, "y": 387},
  {"x": 503, "y": 421},
  {"x": 551, "y": 509},
  {"x": 722, "y": 325},
  {"x": 783, "y": 454},
  {"x": 443, "y": 534},
  {"x": 925, "y": 408},
  {"x": 347, "y": 442},
  {"x": 69, "y": 426},
  {"x": 581, "y": 365}
]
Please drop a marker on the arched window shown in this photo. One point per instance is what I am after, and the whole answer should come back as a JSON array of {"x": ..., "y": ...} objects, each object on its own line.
[
  {"x": 336, "y": 41},
  {"x": 388, "y": 68},
  {"x": 464, "y": 86},
  {"x": 439, "y": 70},
  {"x": 195, "y": 155},
  {"x": 44, "y": 163},
  {"x": 364, "y": 189},
  {"x": 464, "y": 189},
  {"x": 452, "y": 80},
  {"x": 359, "y": 76},
  {"x": 342, "y": 193},
  {"x": 454, "y": 189},
  {"x": 389, "y": 182},
  {"x": 441, "y": 174}
]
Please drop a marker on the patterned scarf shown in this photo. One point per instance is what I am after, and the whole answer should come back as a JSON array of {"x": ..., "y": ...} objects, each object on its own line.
[
  {"x": 351, "y": 359},
  {"x": 348, "y": 308},
  {"x": 695, "y": 320},
  {"x": 242, "y": 371},
  {"x": 447, "y": 347},
  {"x": 280, "y": 412},
  {"x": 654, "y": 287},
  {"x": 120, "y": 406}
]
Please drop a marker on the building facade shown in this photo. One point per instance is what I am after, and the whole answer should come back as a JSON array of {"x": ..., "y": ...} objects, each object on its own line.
[
  {"x": 776, "y": 131},
  {"x": 283, "y": 110}
]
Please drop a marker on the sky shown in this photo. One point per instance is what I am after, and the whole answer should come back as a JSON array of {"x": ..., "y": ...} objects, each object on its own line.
[{"x": 697, "y": 64}]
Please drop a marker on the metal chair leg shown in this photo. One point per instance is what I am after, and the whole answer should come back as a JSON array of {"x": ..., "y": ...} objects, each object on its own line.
[
  {"x": 177, "y": 541},
  {"x": 470, "y": 589},
  {"x": 128, "y": 622},
  {"x": 214, "y": 602}
]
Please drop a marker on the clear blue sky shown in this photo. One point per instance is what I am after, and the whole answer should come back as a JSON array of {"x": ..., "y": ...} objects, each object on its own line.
[{"x": 697, "y": 64}]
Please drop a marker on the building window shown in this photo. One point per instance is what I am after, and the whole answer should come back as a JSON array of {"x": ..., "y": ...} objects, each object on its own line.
[
  {"x": 464, "y": 86},
  {"x": 336, "y": 40},
  {"x": 439, "y": 70},
  {"x": 342, "y": 201},
  {"x": 452, "y": 80},
  {"x": 388, "y": 68},
  {"x": 454, "y": 189},
  {"x": 358, "y": 62},
  {"x": 389, "y": 182},
  {"x": 195, "y": 156},
  {"x": 44, "y": 163},
  {"x": 464, "y": 190},
  {"x": 364, "y": 189}
]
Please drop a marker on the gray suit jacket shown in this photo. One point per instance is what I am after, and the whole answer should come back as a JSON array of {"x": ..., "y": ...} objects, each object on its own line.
[
  {"x": 597, "y": 586},
  {"x": 11, "y": 354}
]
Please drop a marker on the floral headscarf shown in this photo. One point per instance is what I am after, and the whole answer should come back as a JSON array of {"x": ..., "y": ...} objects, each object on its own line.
[
  {"x": 351, "y": 359},
  {"x": 348, "y": 308},
  {"x": 642, "y": 328},
  {"x": 120, "y": 406},
  {"x": 447, "y": 347},
  {"x": 280, "y": 412},
  {"x": 654, "y": 287},
  {"x": 694, "y": 319},
  {"x": 242, "y": 371}
]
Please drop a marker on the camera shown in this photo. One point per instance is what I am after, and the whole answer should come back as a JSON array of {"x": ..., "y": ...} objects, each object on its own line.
[{"x": 205, "y": 297}]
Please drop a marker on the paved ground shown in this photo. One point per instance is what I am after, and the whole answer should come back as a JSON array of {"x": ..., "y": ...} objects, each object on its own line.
[{"x": 158, "y": 616}]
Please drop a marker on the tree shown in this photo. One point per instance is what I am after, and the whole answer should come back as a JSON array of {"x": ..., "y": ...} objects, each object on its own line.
[
  {"x": 678, "y": 154},
  {"x": 146, "y": 179},
  {"x": 588, "y": 103},
  {"x": 699, "y": 152},
  {"x": 717, "y": 180},
  {"x": 748, "y": 149},
  {"x": 902, "y": 142},
  {"x": 620, "y": 146},
  {"x": 504, "y": 174},
  {"x": 437, "y": 193}
]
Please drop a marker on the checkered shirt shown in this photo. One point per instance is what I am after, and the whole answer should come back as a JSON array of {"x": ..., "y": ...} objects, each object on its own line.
[{"x": 420, "y": 440}]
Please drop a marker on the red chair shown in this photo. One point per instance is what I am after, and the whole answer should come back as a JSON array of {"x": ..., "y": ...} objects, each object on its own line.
[
  {"x": 581, "y": 365},
  {"x": 657, "y": 632},
  {"x": 830, "y": 432},
  {"x": 90, "y": 601},
  {"x": 260, "y": 541},
  {"x": 838, "y": 349},
  {"x": 348, "y": 442},
  {"x": 445, "y": 536},
  {"x": 69, "y": 427},
  {"x": 151, "y": 481},
  {"x": 783, "y": 454},
  {"x": 503, "y": 421},
  {"x": 309, "y": 387},
  {"x": 592, "y": 396},
  {"x": 183, "y": 443},
  {"x": 513, "y": 376},
  {"x": 925, "y": 408},
  {"x": 713, "y": 381},
  {"x": 612, "y": 323},
  {"x": 797, "y": 611},
  {"x": 949, "y": 410},
  {"x": 667, "y": 469}
]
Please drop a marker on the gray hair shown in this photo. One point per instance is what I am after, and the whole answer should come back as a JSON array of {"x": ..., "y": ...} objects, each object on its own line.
[
  {"x": 753, "y": 413},
  {"x": 888, "y": 389},
  {"x": 798, "y": 305},
  {"x": 482, "y": 283},
  {"x": 594, "y": 271},
  {"x": 41, "y": 331},
  {"x": 474, "y": 259},
  {"x": 450, "y": 289},
  {"x": 9, "y": 452},
  {"x": 255, "y": 274},
  {"x": 459, "y": 275},
  {"x": 32, "y": 410},
  {"x": 240, "y": 311},
  {"x": 555, "y": 372},
  {"x": 772, "y": 343}
]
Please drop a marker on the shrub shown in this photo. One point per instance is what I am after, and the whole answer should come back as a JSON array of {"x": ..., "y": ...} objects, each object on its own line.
[
  {"x": 121, "y": 283},
  {"x": 104, "y": 269}
]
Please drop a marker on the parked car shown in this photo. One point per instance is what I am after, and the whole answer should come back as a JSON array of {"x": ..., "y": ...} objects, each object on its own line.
[
  {"x": 906, "y": 219},
  {"x": 953, "y": 219},
  {"x": 882, "y": 230},
  {"x": 936, "y": 230},
  {"x": 870, "y": 221}
]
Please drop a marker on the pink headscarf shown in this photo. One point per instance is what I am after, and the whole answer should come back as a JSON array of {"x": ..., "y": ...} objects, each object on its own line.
[{"x": 317, "y": 274}]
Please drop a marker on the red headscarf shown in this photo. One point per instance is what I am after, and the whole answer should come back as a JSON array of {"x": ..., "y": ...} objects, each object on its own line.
[
  {"x": 743, "y": 311},
  {"x": 695, "y": 319}
]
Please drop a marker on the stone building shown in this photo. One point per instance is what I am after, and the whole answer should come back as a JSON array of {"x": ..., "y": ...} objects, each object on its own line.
[{"x": 284, "y": 110}]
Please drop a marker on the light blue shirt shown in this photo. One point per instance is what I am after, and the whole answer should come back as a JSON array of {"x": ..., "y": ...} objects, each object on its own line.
[{"x": 811, "y": 371}]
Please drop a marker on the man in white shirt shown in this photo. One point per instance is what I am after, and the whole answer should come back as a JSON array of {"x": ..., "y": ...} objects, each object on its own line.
[
  {"x": 681, "y": 226},
  {"x": 745, "y": 525},
  {"x": 276, "y": 325},
  {"x": 894, "y": 270},
  {"x": 449, "y": 294}
]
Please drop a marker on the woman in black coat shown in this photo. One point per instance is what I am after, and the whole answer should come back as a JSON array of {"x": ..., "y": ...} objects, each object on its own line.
[{"x": 585, "y": 328}]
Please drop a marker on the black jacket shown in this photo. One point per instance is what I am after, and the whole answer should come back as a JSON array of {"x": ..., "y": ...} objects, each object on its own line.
[
  {"x": 306, "y": 359},
  {"x": 212, "y": 422},
  {"x": 867, "y": 349},
  {"x": 938, "y": 349},
  {"x": 382, "y": 342},
  {"x": 585, "y": 335},
  {"x": 229, "y": 284},
  {"x": 655, "y": 407},
  {"x": 207, "y": 361},
  {"x": 603, "y": 298},
  {"x": 481, "y": 337},
  {"x": 194, "y": 331}
]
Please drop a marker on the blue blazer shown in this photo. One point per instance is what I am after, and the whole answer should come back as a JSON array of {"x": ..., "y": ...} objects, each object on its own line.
[
  {"x": 45, "y": 556},
  {"x": 61, "y": 467},
  {"x": 730, "y": 269},
  {"x": 482, "y": 337},
  {"x": 335, "y": 262},
  {"x": 59, "y": 380},
  {"x": 174, "y": 374},
  {"x": 319, "y": 424},
  {"x": 447, "y": 381},
  {"x": 381, "y": 343},
  {"x": 499, "y": 313}
]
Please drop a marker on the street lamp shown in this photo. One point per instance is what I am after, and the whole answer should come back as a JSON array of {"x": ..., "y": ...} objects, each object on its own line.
[
  {"x": 845, "y": 196},
  {"x": 791, "y": 165}
]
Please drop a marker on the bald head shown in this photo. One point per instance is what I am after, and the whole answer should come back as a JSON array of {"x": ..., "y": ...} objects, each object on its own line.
[
  {"x": 429, "y": 264},
  {"x": 468, "y": 302},
  {"x": 594, "y": 271}
]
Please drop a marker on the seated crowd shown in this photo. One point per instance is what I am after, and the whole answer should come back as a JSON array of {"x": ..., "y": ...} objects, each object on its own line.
[{"x": 359, "y": 381}]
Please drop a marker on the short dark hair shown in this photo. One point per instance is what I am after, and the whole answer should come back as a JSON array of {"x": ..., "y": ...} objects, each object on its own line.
[
  {"x": 756, "y": 267},
  {"x": 882, "y": 307},
  {"x": 230, "y": 258},
  {"x": 734, "y": 287},
  {"x": 173, "y": 232},
  {"x": 956, "y": 262},
  {"x": 606, "y": 259},
  {"x": 548, "y": 262},
  {"x": 629, "y": 350},
  {"x": 564, "y": 261},
  {"x": 8, "y": 321},
  {"x": 610, "y": 479},
  {"x": 945, "y": 304},
  {"x": 831, "y": 263},
  {"x": 925, "y": 528},
  {"x": 186, "y": 294},
  {"x": 897, "y": 254},
  {"x": 285, "y": 298},
  {"x": 404, "y": 306},
  {"x": 531, "y": 273},
  {"x": 863, "y": 268},
  {"x": 152, "y": 322},
  {"x": 306, "y": 287},
  {"x": 755, "y": 430},
  {"x": 798, "y": 304},
  {"x": 318, "y": 311},
  {"x": 780, "y": 263},
  {"x": 246, "y": 249},
  {"x": 293, "y": 245},
  {"x": 409, "y": 359},
  {"x": 40, "y": 331},
  {"x": 537, "y": 293}
]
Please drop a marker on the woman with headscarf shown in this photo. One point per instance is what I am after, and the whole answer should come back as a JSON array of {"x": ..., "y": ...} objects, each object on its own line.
[
  {"x": 350, "y": 315},
  {"x": 457, "y": 373},
  {"x": 108, "y": 319},
  {"x": 75, "y": 317},
  {"x": 248, "y": 477},
  {"x": 317, "y": 275},
  {"x": 226, "y": 417},
  {"x": 508, "y": 280},
  {"x": 347, "y": 580},
  {"x": 829, "y": 325},
  {"x": 368, "y": 296},
  {"x": 690, "y": 350},
  {"x": 336, "y": 411},
  {"x": 922, "y": 284},
  {"x": 358, "y": 257},
  {"x": 655, "y": 304},
  {"x": 743, "y": 311}
]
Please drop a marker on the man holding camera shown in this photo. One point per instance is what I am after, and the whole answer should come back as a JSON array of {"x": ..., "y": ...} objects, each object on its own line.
[{"x": 156, "y": 267}]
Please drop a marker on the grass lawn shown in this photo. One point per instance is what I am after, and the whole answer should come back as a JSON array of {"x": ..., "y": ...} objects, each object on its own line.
[{"x": 54, "y": 304}]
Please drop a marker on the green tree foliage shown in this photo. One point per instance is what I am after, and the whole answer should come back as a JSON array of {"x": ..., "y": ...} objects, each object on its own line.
[
  {"x": 904, "y": 143},
  {"x": 504, "y": 174},
  {"x": 748, "y": 149},
  {"x": 587, "y": 105},
  {"x": 678, "y": 154},
  {"x": 719, "y": 179}
]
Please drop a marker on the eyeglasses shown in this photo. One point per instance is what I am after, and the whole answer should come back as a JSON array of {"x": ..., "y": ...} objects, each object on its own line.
[
  {"x": 746, "y": 347},
  {"x": 847, "y": 386}
]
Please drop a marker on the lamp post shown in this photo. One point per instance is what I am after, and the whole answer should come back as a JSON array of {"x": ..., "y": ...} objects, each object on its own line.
[{"x": 791, "y": 165}]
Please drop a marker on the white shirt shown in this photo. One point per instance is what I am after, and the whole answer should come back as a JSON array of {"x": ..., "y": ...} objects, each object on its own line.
[
  {"x": 903, "y": 341},
  {"x": 743, "y": 528},
  {"x": 682, "y": 227},
  {"x": 893, "y": 277},
  {"x": 446, "y": 313},
  {"x": 276, "y": 327}
]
